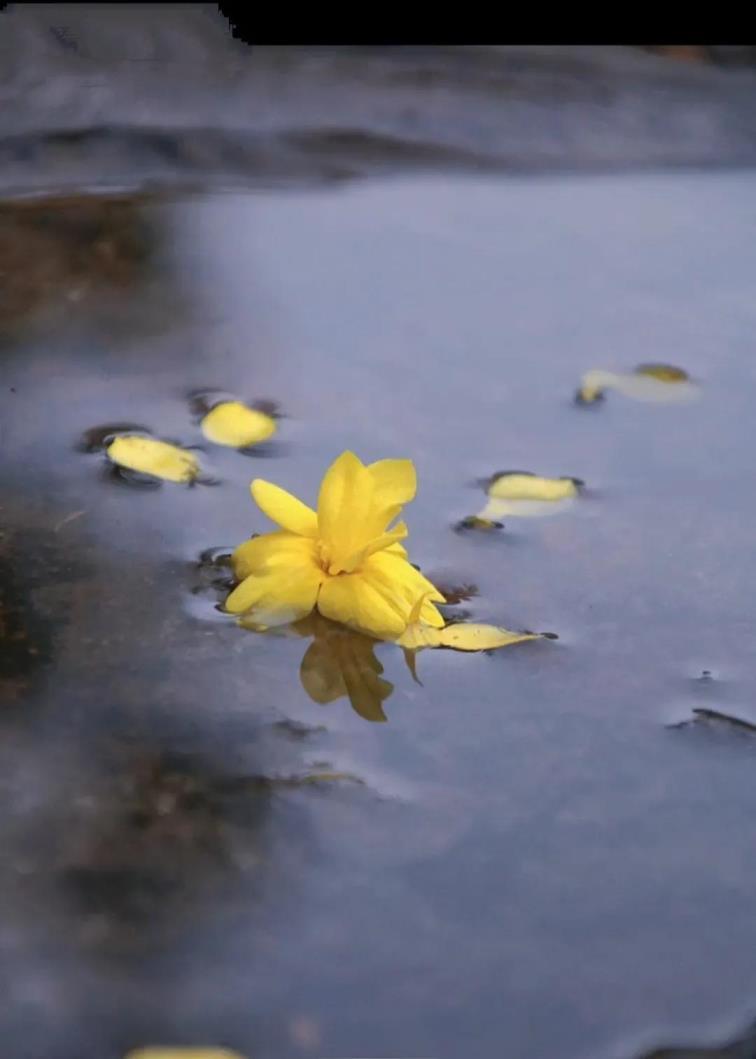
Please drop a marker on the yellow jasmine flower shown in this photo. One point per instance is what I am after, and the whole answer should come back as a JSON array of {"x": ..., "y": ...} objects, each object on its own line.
[{"x": 343, "y": 559}]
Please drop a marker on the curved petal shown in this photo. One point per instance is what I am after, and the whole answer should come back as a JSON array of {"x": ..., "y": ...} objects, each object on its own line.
[
  {"x": 283, "y": 592},
  {"x": 284, "y": 508},
  {"x": 395, "y": 481},
  {"x": 345, "y": 511},
  {"x": 354, "y": 601},
  {"x": 429, "y": 615},
  {"x": 399, "y": 578},
  {"x": 259, "y": 554},
  {"x": 386, "y": 540}
]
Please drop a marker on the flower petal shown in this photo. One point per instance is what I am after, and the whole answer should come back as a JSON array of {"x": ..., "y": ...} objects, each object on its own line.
[
  {"x": 233, "y": 423},
  {"x": 151, "y": 456},
  {"x": 354, "y": 601},
  {"x": 284, "y": 508},
  {"x": 386, "y": 540},
  {"x": 285, "y": 590},
  {"x": 257, "y": 555},
  {"x": 395, "y": 481},
  {"x": 398, "y": 578},
  {"x": 346, "y": 511}
]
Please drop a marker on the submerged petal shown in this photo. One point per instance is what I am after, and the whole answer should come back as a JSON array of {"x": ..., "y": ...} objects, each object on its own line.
[{"x": 284, "y": 508}]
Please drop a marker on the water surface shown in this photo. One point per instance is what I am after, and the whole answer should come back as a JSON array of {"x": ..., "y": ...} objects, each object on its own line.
[{"x": 535, "y": 863}]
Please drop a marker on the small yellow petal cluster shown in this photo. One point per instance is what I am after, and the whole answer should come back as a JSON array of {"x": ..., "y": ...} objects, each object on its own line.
[{"x": 345, "y": 559}]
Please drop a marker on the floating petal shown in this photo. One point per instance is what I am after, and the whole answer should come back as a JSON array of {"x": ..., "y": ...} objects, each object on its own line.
[
  {"x": 649, "y": 382},
  {"x": 157, "y": 458},
  {"x": 233, "y": 423},
  {"x": 522, "y": 485},
  {"x": 468, "y": 636}
]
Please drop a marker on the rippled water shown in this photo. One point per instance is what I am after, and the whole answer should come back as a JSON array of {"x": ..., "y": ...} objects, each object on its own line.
[{"x": 535, "y": 855}]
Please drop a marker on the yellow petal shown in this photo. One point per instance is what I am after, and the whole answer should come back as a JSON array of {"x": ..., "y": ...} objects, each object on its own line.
[
  {"x": 468, "y": 636},
  {"x": 183, "y": 1053},
  {"x": 157, "y": 458},
  {"x": 352, "y": 600},
  {"x": 419, "y": 635},
  {"x": 395, "y": 481},
  {"x": 285, "y": 509},
  {"x": 430, "y": 615},
  {"x": 663, "y": 372},
  {"x": 399, "y": 578},
  {"x": 284, "y": 592},
  {"x": 384, "y": 542},
  {"x": 520, "y": 485},
  {"x": 649, "y": 382},
  {"x": 346, "y": 520},
  {"x": 233, "y": 423},
  {"x": 464, "y": 636},
  {"x": 259, "y": 554}
]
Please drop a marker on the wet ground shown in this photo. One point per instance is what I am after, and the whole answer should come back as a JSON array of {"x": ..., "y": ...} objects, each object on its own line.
[{"x": 546, "y": 851}]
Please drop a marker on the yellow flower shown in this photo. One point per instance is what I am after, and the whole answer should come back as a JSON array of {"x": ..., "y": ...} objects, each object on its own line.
[{"x": 343, "y": 559}]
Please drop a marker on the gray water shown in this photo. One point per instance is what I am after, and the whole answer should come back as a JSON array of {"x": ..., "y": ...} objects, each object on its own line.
[{"x": 534, "y": 855}]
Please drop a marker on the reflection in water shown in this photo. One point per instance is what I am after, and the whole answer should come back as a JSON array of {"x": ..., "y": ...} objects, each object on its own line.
[
  {"x": 57, "y": 253},
  {"x": 341, "y": 663},
  {"x": 37, "y": 582},
  {"x": 168, "y": 831}
]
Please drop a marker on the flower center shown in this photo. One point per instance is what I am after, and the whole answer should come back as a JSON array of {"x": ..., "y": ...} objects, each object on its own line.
[{"x": 327, "y": 564}]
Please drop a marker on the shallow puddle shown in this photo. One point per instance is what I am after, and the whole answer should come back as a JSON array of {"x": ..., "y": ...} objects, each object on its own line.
[{"x": 528, "y": 856}]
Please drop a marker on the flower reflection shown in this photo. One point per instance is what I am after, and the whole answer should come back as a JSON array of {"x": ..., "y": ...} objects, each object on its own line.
[{"x": 340, "y": 663}]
